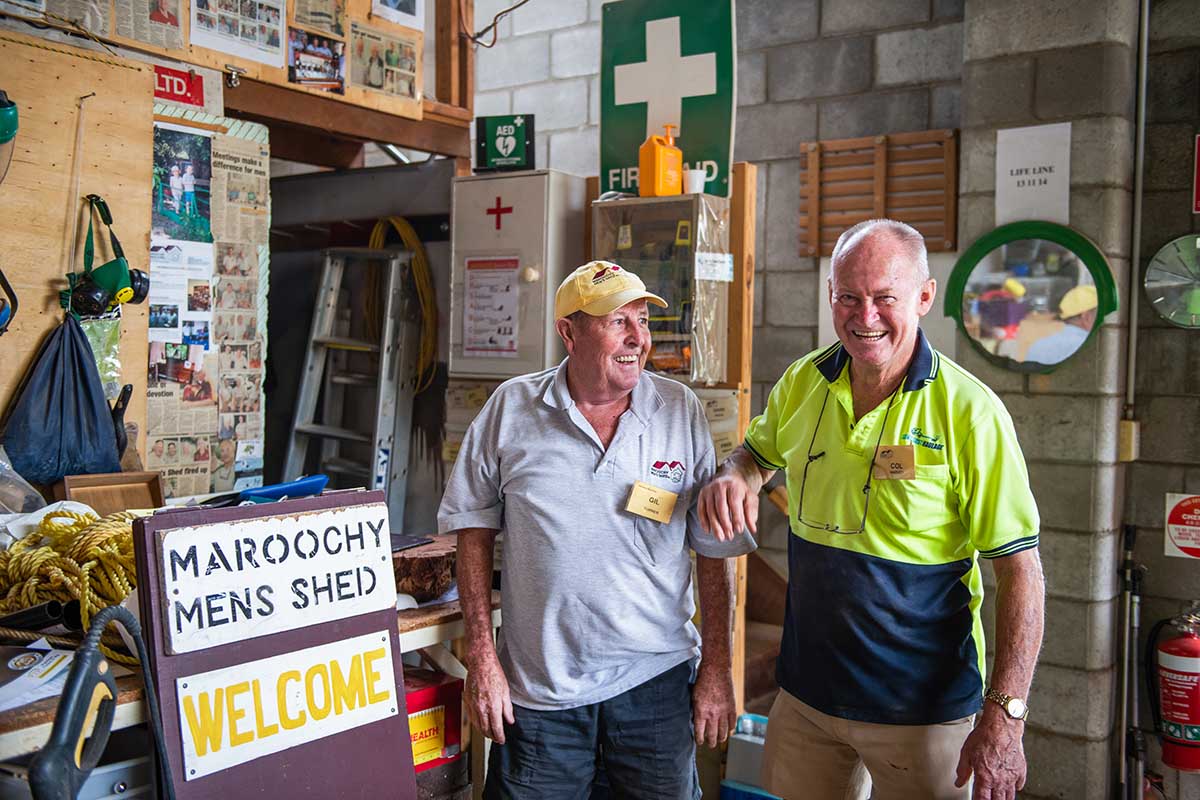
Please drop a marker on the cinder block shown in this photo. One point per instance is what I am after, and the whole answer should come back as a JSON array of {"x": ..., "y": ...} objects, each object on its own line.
[
  {"x": 765, "y": 23},
  {"x": 513, "y": 62},
  {"x": 791, "y": 298},
  {"x": 1093, "y": 79},
  {"x": 998, "y": 93},
  {"x": 976, "y": 216},
  {"x": 759, "y": 283},
  {"x": 870, "y": 114},
  {"x": 1103, "y": 215},
  {"x": 997, "y": 378},
  {"x": 1074, "y": 497},
  {"x": 575, "y": 52},
  {"x": 819, "y": 69},
  {"x": 1096, "y": 368},
  {"x": 1080, "y": 566},
  {"x": 576, "y": 152},
  {"x": 1165, "y": 575},
  {"x": 1119, "y": 267},
  {"x": 594, "y": 7},
  {"x": 776, "y": 348},
  {"x": 485, "y": 10},
  {"x": 751, "y": 78},
  {"x": 946, "y": 107},
  {"x": 1174, "y": 25},
  {"x": 919, "y": 55},
  {"x": 1148, "y": 483},
  {"x": 947, "y": 9},
  {"x": 977, "y": 160},
  {"x": 1170, "y": 429},
  {"x": 1074, "y": 702},
  {"x": 1066, "y": 767},
  {"x": 541, "y": 150},
  {"x": 548, "y": 16},
  {"x": 490, "y": 103},
  {"x": 594, "y": 100},
  {"x": 782, "y": 217},
  {"x": 1169, "y": 156},
  {"x": 1055, "y": 428},
  {"x": 844, "y": 16},
  {"x": 1102, "y": 152},
  {"x": 556, "y": 105},
  {"x": 758, "y": 398},
  {"x": 1172, "y": 87},
  {"x": 1165, "y": 215},
  {"x": 1079, "y": 635},
  {"x": 1006, "y": 27},
  {"x": 760, "y": 226},
  {"x": 1169, "y": 363},
  {"x": 773, "y": 130}
]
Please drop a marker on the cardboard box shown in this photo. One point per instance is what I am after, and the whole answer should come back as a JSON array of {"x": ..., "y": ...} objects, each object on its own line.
[{"x": 434, "y": 702}]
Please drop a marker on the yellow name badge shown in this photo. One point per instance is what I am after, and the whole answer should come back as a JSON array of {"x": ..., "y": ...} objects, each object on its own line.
[
  {"x": 896, "y": 462},
  {"x": 651, "y": 502}
]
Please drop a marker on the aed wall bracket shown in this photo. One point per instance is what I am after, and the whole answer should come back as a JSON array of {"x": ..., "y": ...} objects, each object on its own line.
[{"x": 1074, "y": 241}]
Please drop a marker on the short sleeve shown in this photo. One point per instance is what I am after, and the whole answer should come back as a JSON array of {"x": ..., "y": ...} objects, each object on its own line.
[
  {"x": 700, "y": 540},
  {"x": 996, "y": 504},
  {"x": 472, "y": 497},
  {"x": 761, "y": 437}
]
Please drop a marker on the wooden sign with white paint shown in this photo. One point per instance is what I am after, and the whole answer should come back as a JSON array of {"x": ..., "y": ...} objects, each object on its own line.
[{"x": 228, "y": 582}]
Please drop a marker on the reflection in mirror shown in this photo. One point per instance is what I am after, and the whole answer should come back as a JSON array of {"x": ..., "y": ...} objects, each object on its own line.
[{"x": 1032, "y": 301}]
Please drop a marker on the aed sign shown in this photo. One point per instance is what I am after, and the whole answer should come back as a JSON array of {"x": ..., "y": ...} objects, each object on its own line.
[
  {"x": 225, "y": 583},
  {"x": 667, "y": 62},
  {"x": 1182, "y": 526},
  {"x": 179, "y": 87},
  {"x": 504, "y": 143},
  {"x": 236, "y": 714}
]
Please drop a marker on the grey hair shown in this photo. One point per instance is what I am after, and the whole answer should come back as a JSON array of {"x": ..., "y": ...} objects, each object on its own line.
[{"x": 903, "y": 234}]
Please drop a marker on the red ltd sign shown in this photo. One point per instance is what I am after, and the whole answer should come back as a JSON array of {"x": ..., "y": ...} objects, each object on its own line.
[{"x": 177, "y": 86}]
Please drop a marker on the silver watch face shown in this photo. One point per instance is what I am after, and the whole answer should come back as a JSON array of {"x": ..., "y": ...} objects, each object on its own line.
[{"x": 1015, "y": 708}]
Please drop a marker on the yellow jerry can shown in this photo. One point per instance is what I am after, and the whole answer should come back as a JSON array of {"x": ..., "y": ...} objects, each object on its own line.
[{"x": 660, "y": 166}]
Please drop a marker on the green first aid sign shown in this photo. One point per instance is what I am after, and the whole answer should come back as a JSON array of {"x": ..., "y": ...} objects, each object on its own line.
[{"x": 667, "y": 62}]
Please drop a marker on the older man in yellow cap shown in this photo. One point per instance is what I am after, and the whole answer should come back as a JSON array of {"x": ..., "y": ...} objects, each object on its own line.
[
  {"x": 1077, "y": 309},
  {"x": 590, "y": 470}
]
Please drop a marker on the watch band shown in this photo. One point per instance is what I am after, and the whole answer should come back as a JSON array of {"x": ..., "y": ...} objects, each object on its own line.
[{"x": 1003, "y": 700}]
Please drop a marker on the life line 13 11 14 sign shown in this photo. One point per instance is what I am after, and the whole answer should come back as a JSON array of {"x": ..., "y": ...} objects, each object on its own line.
[
  {"x": 231, "y": 582},
  {"x": 1182, "y": 526}
]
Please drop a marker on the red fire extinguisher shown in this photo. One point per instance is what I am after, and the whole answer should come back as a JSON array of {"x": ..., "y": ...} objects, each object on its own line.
[{"x": 1173, "y": 684}]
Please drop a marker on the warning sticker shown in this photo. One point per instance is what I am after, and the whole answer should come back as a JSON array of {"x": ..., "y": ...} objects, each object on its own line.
[{"x": 1183, "y": 526}]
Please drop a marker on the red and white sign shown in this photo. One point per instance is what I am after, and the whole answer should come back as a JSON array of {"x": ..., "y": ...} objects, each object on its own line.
[
  {"x": 1196, "y": 179},
  {"x": 179, "y": 87},
  {"x": 1183, "y": 526}
]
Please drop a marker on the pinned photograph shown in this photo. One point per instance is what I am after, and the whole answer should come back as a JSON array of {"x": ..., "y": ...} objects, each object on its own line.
[
  {"x": 316, "y": 61},
  {"x": 182, "y": 184}
]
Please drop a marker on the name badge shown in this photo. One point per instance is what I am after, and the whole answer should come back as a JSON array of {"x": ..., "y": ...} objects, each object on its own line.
[
  {"x": 895, "y": 463},
  {"x": 651, "y": 502}
]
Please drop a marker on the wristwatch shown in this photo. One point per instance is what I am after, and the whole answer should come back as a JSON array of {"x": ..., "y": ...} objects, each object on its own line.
[{"x": 1013, "y": 706}]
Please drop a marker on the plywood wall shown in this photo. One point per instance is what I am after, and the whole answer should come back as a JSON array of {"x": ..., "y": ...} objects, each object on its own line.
[{"x": 37, "y": 209}]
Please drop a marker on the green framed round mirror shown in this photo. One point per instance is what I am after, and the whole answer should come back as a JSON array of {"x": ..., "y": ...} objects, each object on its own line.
[{"x": 1029, "y": 295}]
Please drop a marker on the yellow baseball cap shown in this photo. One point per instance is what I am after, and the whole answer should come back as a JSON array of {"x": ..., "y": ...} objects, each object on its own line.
[
  {"x": 598, "y": 288},
  {"x": 1078, "y": 300}
]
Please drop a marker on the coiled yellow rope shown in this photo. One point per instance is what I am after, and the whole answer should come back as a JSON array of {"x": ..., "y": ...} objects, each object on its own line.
[
  {"x": 426, "y": 297},
  {"x": 72, "y": 556}
]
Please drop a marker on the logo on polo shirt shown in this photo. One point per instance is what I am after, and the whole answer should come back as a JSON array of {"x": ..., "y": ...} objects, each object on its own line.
[
  {"x": 604, "y": 273},
  {"x": 671, "y": 470},
  {"x": 919, "y": 437}
]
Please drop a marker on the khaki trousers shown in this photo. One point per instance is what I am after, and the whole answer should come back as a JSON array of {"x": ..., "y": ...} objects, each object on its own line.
[{"x": 813, "y": 756}]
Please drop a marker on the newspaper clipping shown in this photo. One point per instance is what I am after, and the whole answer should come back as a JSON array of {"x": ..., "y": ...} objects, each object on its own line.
[
  {"x": 241, "y": 181},
  {"x": 154, "y": 22},
  {"x": 316, "y": 62},
  {"x": 383, "y": 62},
  {"x": 89, "y": 14},
  {"x": 403, "y": 12},
  {"x": 322, "y": 15},
  {"x": 251, "y": 29}
]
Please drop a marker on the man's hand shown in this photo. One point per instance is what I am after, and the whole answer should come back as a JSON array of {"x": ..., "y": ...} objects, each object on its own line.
[
  {"x": 993, "y": 752},
  {"x": 487, "y": 700},
  {"x": 728, "y": 505},
  {"x": 712, "y": 705}
]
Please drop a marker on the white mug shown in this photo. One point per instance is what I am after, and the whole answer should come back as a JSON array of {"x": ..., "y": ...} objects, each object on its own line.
[{"x": 693, "y": 181}]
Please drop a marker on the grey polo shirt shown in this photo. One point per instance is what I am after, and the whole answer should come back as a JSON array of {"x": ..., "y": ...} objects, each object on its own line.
[{"x": 595, "y": 599}]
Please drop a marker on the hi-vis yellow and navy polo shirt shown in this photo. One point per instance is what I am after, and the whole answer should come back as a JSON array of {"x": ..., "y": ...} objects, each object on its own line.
[{"x": 883, "y": 626}]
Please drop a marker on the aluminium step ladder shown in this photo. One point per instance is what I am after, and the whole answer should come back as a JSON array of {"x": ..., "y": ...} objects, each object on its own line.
[{"x": 364, "y": 384}]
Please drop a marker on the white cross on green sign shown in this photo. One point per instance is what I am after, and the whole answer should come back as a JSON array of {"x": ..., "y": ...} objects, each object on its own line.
[{"x": 667, "y": 62}]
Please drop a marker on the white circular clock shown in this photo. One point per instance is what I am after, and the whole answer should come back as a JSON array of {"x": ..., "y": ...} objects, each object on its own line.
[{"x": 1172, "y": 281}]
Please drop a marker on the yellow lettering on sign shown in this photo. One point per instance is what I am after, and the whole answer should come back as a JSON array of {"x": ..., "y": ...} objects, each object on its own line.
[
  {"x": 260, "y": 730},
  {"x": 348, "y": 691},
  {"x": 373, "y": 675},
  {"x": 235, "y": 714},
  {"x": 289, "y": 723},
  {"x": 318, "y": 711},
  {"x": 208, "y": 726}
]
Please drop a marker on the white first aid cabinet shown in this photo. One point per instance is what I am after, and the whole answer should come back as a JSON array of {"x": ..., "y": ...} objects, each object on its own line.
[{"x": 515, "y": 237}]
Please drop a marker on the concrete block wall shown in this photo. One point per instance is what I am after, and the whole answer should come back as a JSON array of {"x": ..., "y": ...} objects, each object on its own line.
[
  {"x": 1028, "y": 62},
  {"x": 1167, "y": 398}
]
